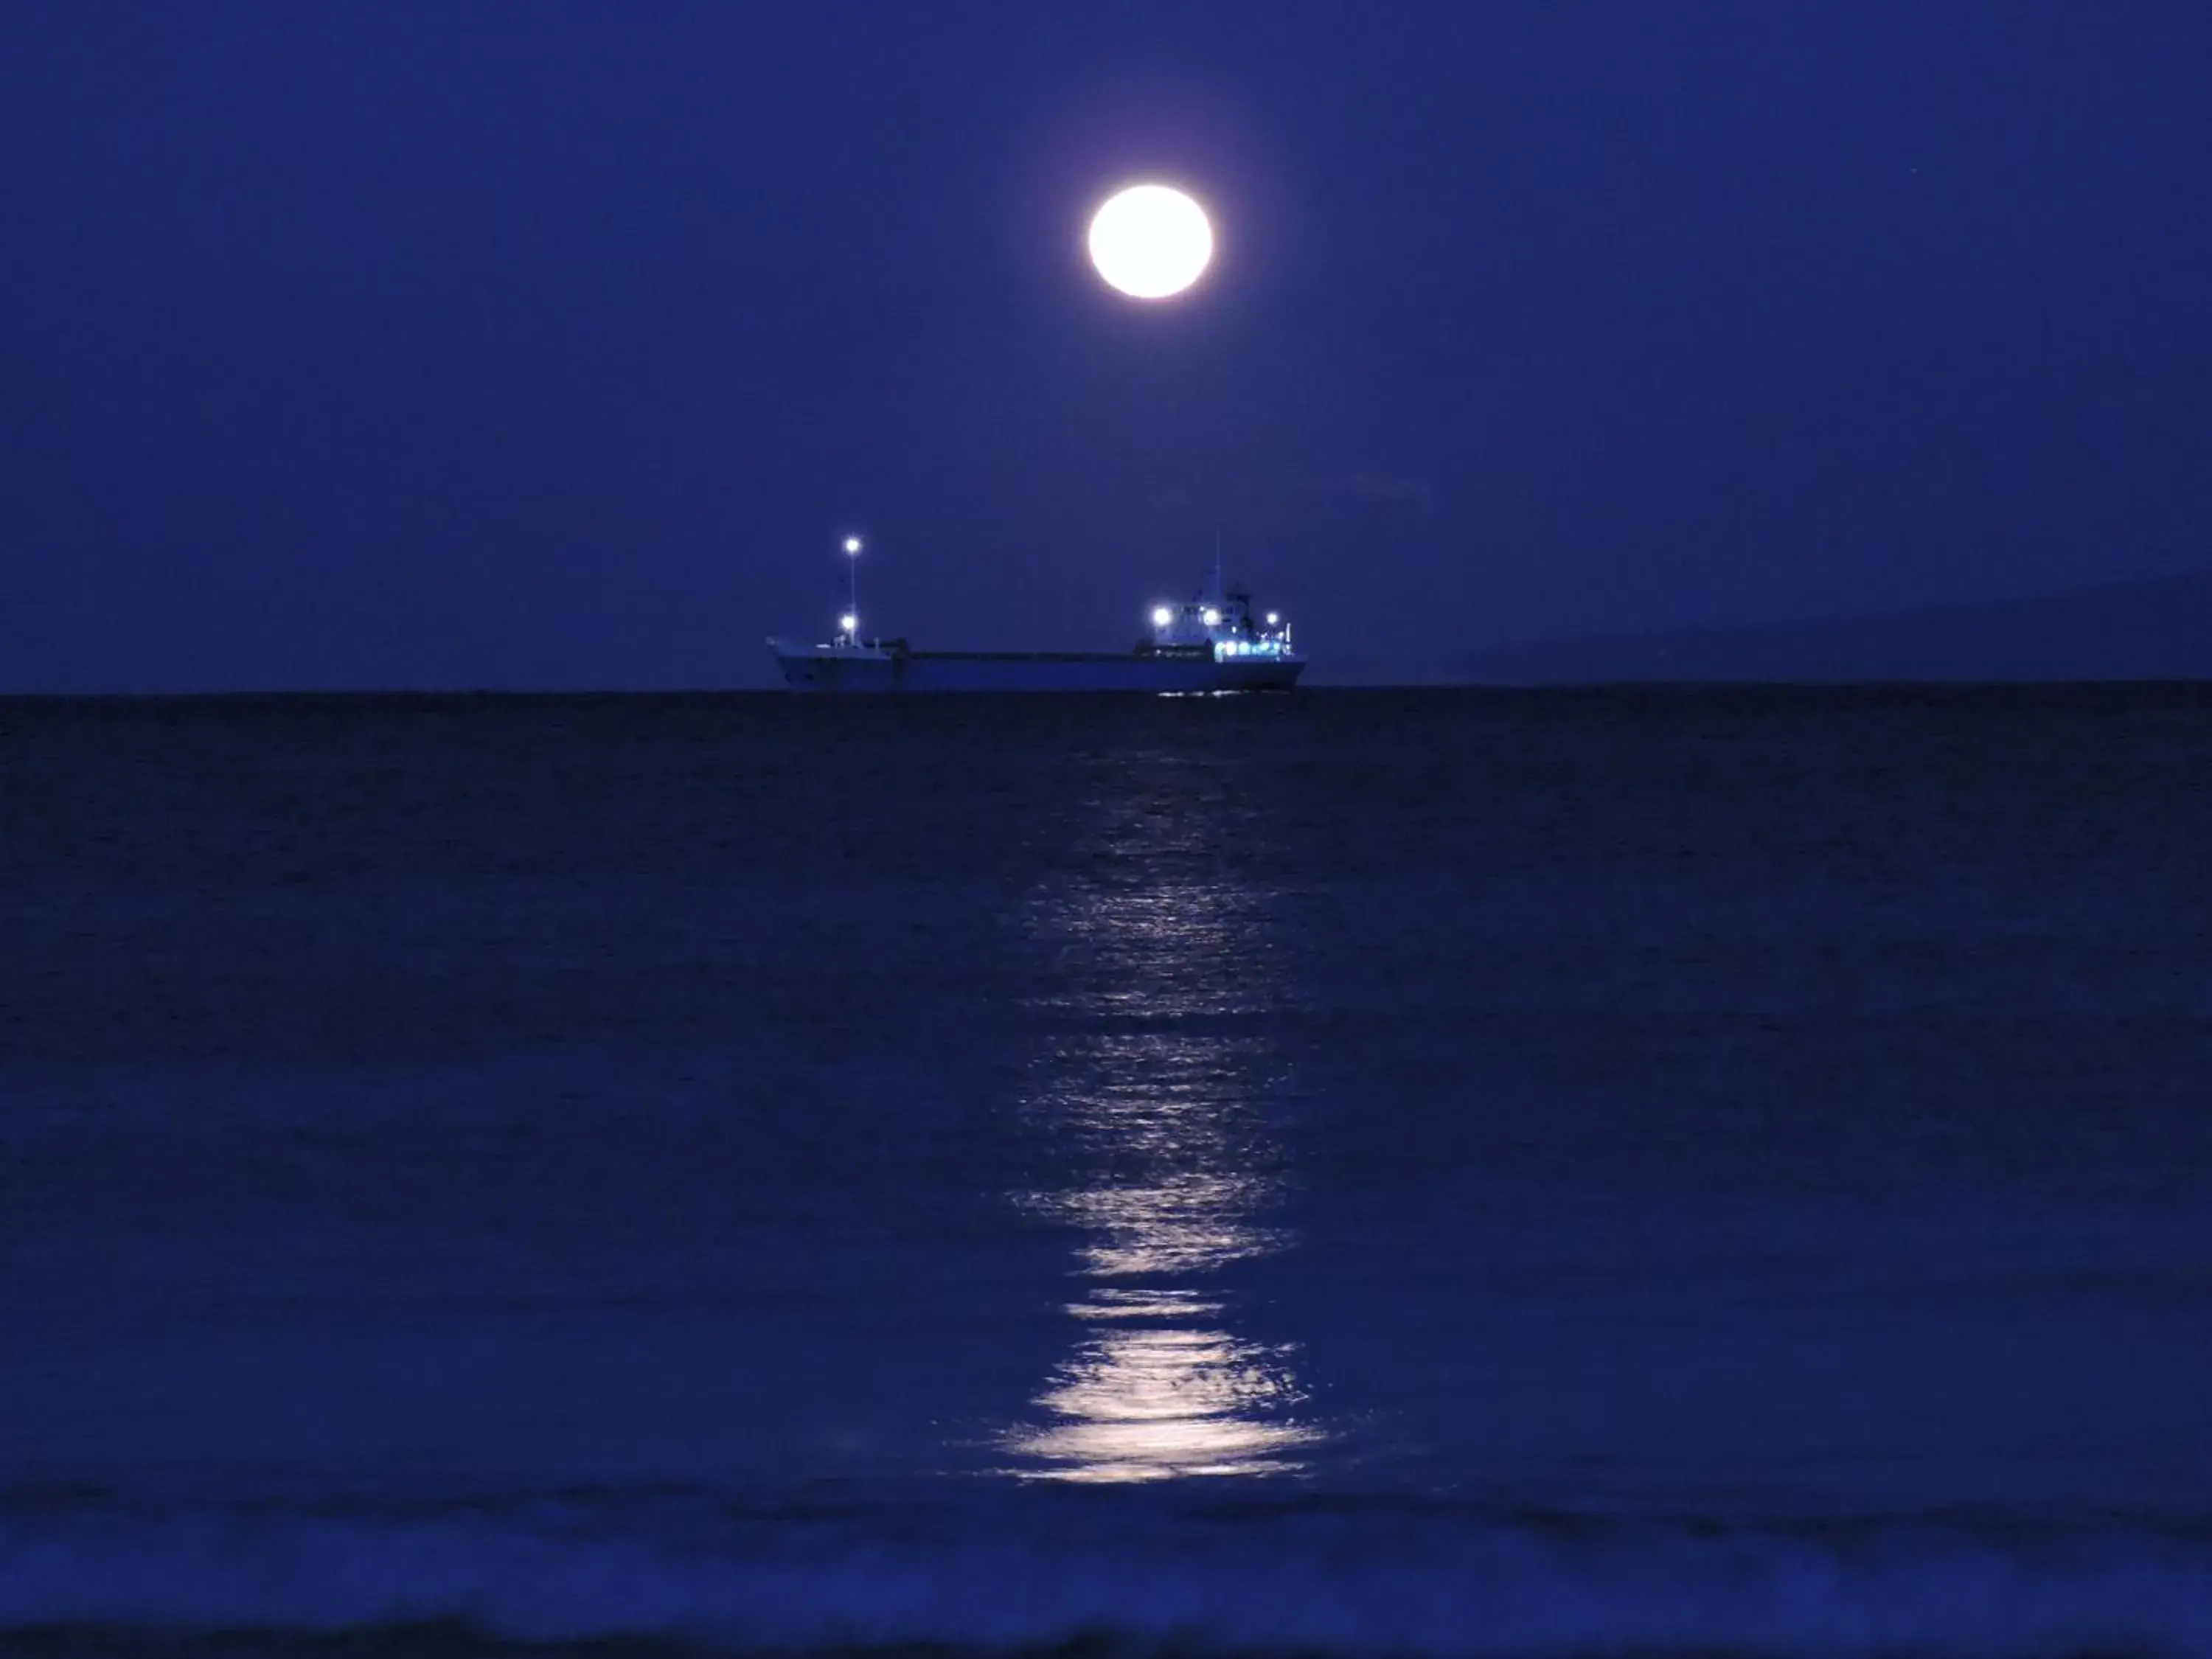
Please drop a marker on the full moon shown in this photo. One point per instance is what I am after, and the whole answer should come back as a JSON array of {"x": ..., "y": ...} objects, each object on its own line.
[{"x": 1151, "y": 241}]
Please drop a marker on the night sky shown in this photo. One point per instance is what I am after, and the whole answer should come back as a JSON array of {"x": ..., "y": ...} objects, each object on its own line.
[{"x": 557, "y": 344}]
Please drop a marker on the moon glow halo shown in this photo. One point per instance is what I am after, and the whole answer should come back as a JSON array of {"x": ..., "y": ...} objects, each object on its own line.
[{"x": 1151, "y": 241}]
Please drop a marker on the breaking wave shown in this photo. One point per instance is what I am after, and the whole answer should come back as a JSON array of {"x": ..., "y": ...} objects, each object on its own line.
[{"x": 1318, "y": 1580}]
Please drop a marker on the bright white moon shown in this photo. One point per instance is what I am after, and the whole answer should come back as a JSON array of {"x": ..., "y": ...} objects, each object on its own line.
[{"x": 1151, "y": 241}]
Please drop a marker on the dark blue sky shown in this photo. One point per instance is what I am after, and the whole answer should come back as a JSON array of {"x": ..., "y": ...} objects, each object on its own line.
[{"x": 554, "y": 344}]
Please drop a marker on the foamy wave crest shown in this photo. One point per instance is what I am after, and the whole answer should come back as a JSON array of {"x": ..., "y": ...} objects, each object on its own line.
[{"x": 1318, "y": 1583}]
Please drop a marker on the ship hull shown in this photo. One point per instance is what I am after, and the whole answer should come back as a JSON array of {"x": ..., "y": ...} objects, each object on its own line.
[{"x": 821, "y": 670}]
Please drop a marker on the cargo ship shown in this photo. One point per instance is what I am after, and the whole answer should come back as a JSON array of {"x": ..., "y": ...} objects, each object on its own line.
[{"x": 1214, "y": 641}]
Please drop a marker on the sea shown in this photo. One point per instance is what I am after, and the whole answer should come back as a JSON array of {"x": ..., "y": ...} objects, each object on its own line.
[{"x": 1617, "y": 1172}]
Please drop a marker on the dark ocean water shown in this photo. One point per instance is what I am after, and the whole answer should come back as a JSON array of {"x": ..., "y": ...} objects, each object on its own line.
[{"x": 1426, "y": 1174}]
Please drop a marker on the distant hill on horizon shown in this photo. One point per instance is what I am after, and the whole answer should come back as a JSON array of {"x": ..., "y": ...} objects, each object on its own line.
[{"x": 2156, "y": 628}]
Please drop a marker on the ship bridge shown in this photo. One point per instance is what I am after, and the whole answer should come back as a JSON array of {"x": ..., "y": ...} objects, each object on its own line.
[{"x": 1223, "y": 621}]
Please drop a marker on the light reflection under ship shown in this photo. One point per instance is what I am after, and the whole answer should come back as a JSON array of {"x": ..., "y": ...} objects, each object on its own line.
[{"x": 1178, "y": 1183}]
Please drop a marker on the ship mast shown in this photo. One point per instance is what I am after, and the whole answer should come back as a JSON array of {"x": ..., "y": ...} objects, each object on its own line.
[{"x": 852, "y": 569}]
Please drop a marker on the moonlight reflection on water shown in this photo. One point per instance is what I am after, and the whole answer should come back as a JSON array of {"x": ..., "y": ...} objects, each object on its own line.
[{"x": 1174, "y": 1175}]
